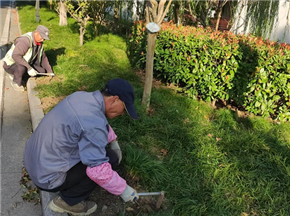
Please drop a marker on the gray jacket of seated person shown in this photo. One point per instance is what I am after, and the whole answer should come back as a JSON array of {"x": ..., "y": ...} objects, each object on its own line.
[{"x": 75, "y": 130}]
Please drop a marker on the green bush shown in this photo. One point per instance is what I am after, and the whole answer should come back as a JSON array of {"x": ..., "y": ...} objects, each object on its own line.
[{"x": 245, "y": 70}]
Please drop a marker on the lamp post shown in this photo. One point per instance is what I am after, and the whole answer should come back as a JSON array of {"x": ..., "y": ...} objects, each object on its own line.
[{"x": 37, "y": 11}]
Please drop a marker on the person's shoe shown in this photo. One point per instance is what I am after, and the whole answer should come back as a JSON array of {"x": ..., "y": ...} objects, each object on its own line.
[
  {"x": 80, "y": 209},
  {"x": 17, "y": 87}
]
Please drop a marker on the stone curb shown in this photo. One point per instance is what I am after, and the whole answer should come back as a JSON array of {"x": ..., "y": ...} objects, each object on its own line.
[
  {"x": 36, "y": 116},
  {"x": 4, "y": 41},
  {"x": 34, "y": 104}
]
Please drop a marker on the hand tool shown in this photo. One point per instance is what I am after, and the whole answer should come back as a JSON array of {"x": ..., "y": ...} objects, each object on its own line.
[
  {"x": 160, "y": 199},
  {"x": 46, "y": 74}
]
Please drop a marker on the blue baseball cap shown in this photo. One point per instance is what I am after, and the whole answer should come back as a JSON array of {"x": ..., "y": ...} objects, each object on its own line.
[{"x": 125, "y": 92}]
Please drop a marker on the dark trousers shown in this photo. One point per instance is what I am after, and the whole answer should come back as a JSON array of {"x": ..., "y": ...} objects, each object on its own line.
[
  {"x": 19, "y": 70},
  {"x": 77, "y": 185}
]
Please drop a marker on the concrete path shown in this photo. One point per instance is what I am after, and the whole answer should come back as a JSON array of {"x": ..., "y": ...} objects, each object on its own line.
[
  {"x": 15, "y": 129},
  {"x": 3, "y": 12},
  {"x": 20, "y": 114}
]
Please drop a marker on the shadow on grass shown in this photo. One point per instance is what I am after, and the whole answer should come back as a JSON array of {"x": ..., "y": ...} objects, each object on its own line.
[
  {"x": 90, "y": 33},
  {"x": 97, "y": 80},
  {"x": 53, "y": 53},
  {"x": 21, "y": 4},
  {"x": 51, "y": 18},
  {"x": 74, "y": 27}
]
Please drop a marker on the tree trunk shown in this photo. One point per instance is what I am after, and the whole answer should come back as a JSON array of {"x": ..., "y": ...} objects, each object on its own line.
[
  {"x": 221, "y": 4},
  {"x": 81, "y": 35},
  {"x": 116, "y": 15},
  {"x": 176, "y": 13},
  {"x": 149, "y": 70},
  {"x": 143, "y": 11},
  {"x": 95, "y": 26},
  {"x": 62, "y": 14},
  {"x": 50, "y": 4},
  {"x": 152, "y": 16},
  {"x": 138, "y": 10},
  {"x": 189, "y": 7},
  {"x": 218, "y": 19}
]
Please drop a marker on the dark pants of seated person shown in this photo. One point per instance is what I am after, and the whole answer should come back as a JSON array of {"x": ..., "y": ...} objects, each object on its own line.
[
  {"x": 19, "y": 70},
  {"x": 78, "y": 186}
]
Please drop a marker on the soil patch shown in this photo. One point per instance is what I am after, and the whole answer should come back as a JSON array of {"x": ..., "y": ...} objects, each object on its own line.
[
  {"x": 47, "y": 79},
  {"x": 49, "y": 102},
  {"x": 111, "y": 205}
]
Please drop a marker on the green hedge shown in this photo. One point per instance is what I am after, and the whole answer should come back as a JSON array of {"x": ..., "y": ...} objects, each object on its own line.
[{"x": 245, "y": 70}]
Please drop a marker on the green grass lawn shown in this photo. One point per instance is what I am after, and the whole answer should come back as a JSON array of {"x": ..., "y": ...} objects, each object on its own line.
[{"x": 209, "y": 162}]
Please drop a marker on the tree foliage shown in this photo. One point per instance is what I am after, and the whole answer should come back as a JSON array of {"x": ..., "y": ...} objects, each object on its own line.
[{"x": 98, "y": 10}]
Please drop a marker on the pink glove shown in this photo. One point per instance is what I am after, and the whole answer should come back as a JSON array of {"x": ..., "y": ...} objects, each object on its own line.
[{"x": 111, "y": 136}]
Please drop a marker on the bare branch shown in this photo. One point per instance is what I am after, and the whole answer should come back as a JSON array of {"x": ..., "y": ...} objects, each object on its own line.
[
  {"x": 165, "y": 12},
  {"x": 74, "y": 16},
  {"x": 154, "y": 9},
  {"x": 160, "y": 9},
  {"x": 189, "y": 7},
  {"x": 224, "y": 3},
  {"x": 78, "y": 9},
  {"x": 147, "y": 15},
  {"x": 150, "y": 10}
]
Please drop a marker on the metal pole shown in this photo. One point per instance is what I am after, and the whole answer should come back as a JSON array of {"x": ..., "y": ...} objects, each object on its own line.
[
  {"x": 149, "y": 193},
  {"x": 37, "y": 11}
]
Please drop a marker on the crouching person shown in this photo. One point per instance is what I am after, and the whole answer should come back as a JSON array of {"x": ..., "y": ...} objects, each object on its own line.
[
  {"x": 67, "y": 152},
  {"x": 27, "y": 55}
]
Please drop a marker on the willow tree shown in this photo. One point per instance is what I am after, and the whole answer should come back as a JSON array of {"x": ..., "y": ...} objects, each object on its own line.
[
  {"x": 155, "y": 14},
  {"x": 261, "y": 16}
]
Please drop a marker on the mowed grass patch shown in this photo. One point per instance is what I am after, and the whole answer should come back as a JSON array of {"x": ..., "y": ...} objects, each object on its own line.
[
  {"x": 85, "y": 67},
  {"x": 209, "y": 162},
  {"x": 216, "y": 163}
]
